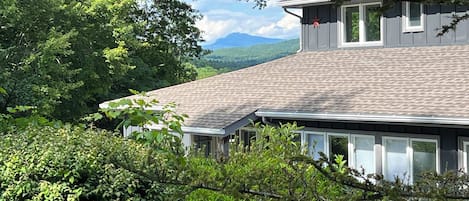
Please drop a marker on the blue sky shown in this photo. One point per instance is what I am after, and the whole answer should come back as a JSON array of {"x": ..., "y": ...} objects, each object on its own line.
[{"x": 222, "y": 17}]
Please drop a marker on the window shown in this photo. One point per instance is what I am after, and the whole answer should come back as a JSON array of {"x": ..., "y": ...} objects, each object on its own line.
[
  {"x": 361, "y": 25},
  {"x": 203, "y": 144},
  {"x": 412, "y": 16},
  {"x": 338, "y": 145},
  {"x": 414, "y": 157},
  {"x": 465, "y": 165},
  {"x": 128, "y": 131},
  {"x": 358, "y": 150},
  {"x": 247, "y": 136},
  {"x": 364, "y": 154},
  {"x": 315, "y": 143}
]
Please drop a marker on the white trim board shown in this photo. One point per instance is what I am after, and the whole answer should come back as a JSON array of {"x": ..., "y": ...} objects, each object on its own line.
[{"x": 194, "y": 130}]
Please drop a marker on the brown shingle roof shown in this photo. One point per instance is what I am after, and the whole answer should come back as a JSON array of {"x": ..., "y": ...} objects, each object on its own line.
[{"x": 415, "y": 81}]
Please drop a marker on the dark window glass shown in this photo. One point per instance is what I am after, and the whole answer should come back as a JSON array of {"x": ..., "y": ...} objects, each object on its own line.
[
  {"x": 338, "y": 145},
  {"x": 352, "y": 29},
  {"x": 372, "y": 23},
  {"x": 415, "y": 12}
]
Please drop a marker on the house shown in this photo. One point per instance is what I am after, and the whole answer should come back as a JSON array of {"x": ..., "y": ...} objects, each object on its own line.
[{"x": 379, "y": 88}]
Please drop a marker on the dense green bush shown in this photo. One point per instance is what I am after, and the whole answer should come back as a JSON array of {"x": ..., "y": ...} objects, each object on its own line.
[{"x": 72, "y": 163}]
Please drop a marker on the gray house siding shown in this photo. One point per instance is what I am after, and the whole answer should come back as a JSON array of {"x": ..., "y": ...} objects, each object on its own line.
[
  {"x": 325, "y": 36},
  {"x": 447, "y": 137}
]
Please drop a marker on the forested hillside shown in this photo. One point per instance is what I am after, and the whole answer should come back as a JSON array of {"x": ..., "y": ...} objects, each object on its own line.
[
  {"x": 224, "y": 60},
  {"x": 240, "y": 40}
]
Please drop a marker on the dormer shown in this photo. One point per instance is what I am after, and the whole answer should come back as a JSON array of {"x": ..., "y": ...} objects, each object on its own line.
[{"x": 360, "y": 23}]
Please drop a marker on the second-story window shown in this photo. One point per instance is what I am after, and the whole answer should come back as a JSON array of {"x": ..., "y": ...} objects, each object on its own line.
[
  {"x": 361, "y": 24},
  {"x": 412, "y": 16}
]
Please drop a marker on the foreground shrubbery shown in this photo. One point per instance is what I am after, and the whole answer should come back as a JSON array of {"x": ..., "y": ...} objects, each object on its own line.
[
  {"x": 63, "y": 162},
  {"x": 42, "y": 160},
  {"x": 72, "y": 163}
]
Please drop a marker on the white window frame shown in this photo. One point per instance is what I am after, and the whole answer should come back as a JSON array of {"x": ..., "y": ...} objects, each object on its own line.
[
  {"x": 352, "y": 157},
  {"x": 127, "y": 131},
  {"x": 409, "y": 154},
  {"x": 304, "y": 140},
  {"x": 361, "y": 25},
  {"x": 350, "y": 145},
  {"x": 464, "y": 159},
  {"x": 405, "y": 18}
]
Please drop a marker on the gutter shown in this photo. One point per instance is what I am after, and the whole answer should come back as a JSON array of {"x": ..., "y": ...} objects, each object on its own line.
[
  {"x": 302, "y": 3},
  {"x": 301, "y": 31},
  {"x": 367, "y": 118},
  {"x": 195, "y": 130}
]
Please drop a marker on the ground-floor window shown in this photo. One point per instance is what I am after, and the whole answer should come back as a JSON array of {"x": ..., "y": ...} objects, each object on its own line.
[
  {"x": 408, "y": 158},
  {"x": 465, "y": 159},
  {"x": 357, "y": 150},
  {"x": 247, "y": 136},
  {"x": 203, "y": 144}
]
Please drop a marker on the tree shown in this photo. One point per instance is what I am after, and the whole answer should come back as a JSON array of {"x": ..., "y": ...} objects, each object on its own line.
[{"x": 66, "y": 56}]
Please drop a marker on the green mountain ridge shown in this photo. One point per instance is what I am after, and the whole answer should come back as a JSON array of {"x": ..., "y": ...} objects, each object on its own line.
[{"x": 229, "y": 59}]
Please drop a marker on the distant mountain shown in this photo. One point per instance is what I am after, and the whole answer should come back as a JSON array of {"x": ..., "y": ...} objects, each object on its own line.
[
  {"x": 240, "y": 40},
  {"x": 235, "y": 58}
]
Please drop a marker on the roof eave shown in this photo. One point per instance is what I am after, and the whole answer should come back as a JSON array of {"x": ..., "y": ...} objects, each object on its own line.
[
  {"x": 302, "y": 3},
  {"x": 400, "y": 119},
  {"x": 194, "y": 130}
]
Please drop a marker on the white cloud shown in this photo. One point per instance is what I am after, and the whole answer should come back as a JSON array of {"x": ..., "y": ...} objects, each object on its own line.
[
  {"x": 222, "y": 17},
  {"x": 214, "y": 29},
  {"x": 287, "y": 27}
]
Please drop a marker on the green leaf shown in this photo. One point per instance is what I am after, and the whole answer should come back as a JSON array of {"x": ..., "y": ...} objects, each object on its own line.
[
  {"x": 134, "y": 92},
  {"x": 3, "y": 91}
]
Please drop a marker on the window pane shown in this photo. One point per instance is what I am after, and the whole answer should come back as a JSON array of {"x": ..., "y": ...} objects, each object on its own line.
[
  {"x": 338, "y": 145},
  {"x": 467, "y": 158},
  {"x": 297, "y": 137},
  {"x": 247, "y": 137},
  {"x": 315, "y": 145},
  {"x": 352, "y": 18},
  {"x": 415, "y": 12},
  {"x": 203, "y": 144},
  {"x": 396, "y": 160},
  {"x": 372, "y": 23},
  {"x": 424, "y": 158},
  {"x": 364, "y": 154}
]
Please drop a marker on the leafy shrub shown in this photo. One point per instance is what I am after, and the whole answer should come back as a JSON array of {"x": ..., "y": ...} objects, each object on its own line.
[{"x": 73, "y": 163}]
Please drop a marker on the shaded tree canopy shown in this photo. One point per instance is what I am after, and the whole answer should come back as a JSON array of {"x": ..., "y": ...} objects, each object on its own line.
[{"x": 66, "y": 56}]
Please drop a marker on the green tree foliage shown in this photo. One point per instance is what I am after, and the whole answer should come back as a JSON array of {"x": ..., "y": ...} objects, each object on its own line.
[
  {"x": 208, "y": 71},
  {"x": 72, "y": 163},
  {"x": 43, "y": 160},
  {"x": 66, "y": 56},
  {"x": 264, "y": 170}
]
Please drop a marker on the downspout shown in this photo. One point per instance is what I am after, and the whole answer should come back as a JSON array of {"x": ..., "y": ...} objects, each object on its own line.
[{"x": 301, "y": 31}]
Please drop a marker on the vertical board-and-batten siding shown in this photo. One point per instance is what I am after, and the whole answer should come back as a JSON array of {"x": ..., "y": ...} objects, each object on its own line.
[{"x": 325, "y": 36}]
